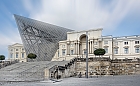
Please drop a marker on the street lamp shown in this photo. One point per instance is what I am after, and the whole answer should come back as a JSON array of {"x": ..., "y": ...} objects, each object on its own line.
[{"x": 86, "y": 54}]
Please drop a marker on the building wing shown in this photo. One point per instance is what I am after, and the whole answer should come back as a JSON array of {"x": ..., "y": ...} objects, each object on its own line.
[{"x": 39, "y": 37}]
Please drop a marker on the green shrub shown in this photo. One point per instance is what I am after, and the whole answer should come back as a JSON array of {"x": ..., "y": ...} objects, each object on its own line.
[
  {"x": 2, "y": 57},
  {"x": 32, "y": 56},
  {"x": 99, "y": 51}
]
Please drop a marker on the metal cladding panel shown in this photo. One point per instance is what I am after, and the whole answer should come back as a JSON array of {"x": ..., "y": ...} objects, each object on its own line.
[{"x": 40, "y": 38}]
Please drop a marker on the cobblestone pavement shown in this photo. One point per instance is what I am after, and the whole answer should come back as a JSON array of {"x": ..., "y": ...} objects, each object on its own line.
[{"x": 131, "y": 80}]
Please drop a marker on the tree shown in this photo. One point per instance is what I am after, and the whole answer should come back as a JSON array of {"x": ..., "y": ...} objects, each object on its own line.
[
  {"x": 99, "y": 52},
  {"x": 32, "y": 56},
  {"x": 2, "y": 57}
]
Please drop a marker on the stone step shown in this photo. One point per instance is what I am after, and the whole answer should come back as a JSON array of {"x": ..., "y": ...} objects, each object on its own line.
[{"x": 27, "y": 71}]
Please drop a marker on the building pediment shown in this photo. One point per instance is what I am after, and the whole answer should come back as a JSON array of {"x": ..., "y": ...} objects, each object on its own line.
[
  {"x": 106, "y": 46},
  {"x": 126, "y": 47},
  {"x": 137, "y": 46},
  {"x": 116, "y": 47}
]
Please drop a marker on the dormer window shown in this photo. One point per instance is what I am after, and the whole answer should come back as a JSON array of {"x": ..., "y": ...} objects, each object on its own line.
[
  {"x": 125, "y": 43},
  {"x": 136, "y": 42}
]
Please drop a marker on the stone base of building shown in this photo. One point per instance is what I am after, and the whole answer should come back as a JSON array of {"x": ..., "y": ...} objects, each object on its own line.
[{"x": 96, "y": 67}]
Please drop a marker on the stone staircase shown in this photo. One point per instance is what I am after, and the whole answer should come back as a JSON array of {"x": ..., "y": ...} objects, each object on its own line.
[{"x": 27, "y": 71}]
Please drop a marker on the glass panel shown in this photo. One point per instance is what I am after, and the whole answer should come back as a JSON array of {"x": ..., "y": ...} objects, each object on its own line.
[
  {"x": 106, "y": 50},
  {"x": 16, "y": 55},
  {"x": 63, "y": 52},
  {"x": 137, "y": 50},
  {"x": 126, "y": 50},
  {"x": 40, "y": 38},
  {"x": 72, "y": 52}
]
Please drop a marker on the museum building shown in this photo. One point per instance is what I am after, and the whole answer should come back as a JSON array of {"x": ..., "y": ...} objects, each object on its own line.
[
  {"x": 126, "y": 47},
  {"x": 54, "y": 43}
]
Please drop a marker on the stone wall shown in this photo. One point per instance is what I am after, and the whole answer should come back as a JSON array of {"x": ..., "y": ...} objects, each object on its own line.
[
  {"x": 105, "y": 66},
  {"x": 96, "y": 67}
]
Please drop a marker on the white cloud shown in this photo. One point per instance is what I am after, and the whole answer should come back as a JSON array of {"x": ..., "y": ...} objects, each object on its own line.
[
  {"x": 8, "y": 38},
  {"x": 73, "y": 14},
  {"x": 81, "y": 14}
]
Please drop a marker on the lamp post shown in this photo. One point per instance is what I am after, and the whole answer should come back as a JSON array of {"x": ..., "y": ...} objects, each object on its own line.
[{"x": 86, "y": 54}]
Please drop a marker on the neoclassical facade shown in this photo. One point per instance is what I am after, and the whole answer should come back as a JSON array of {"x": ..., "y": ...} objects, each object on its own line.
[
  {"x": 17, "y": 52},
  {"x": 115, "y": 47}
]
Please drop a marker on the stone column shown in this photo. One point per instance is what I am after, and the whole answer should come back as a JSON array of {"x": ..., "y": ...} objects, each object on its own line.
[
  {"x": 75, "y": 48},
  {"x": 78, "y": 48},
  {"x": 14, "y": 54},
  {"x": 89, "y": 47},
  {"x": 68, "y": 53},
  {"x": 92, "y": 47}
]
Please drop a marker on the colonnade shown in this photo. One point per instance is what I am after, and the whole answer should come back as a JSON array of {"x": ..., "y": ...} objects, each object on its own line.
[{"x": 78, "y": 47}]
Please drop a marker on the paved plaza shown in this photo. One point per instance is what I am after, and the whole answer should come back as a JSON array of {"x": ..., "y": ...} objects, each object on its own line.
[{"x": 124, "y": 80}]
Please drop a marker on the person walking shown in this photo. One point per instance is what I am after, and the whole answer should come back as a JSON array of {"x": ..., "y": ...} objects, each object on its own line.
[{"x": 80, "y": 75}]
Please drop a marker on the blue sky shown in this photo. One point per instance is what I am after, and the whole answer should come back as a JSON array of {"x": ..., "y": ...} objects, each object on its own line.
[{"x": 116, "y": 17}]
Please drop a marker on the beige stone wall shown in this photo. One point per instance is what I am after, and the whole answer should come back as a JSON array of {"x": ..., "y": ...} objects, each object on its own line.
[
  {"x": 19, "y": 50},
  {"x": 108, "y": 68},
  {"x": 126, "y": 68},
  {"x": 98, "y": 67},
  {"x": 94, "y": 68}
]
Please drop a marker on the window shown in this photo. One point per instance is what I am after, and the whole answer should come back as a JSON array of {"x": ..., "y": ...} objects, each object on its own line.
[
  {"x": 16, "y": 55},
  {"x": 126, "y": 50},
  {"x": 95, "y": 43},
  {"x": 125, "y": 43},
  {"x": 22, "y": 55},
  {"x": 105, "y": 42},
  {"x": 136, "y": 42},
  {"x": 63, "y": 46},
  {"x": 115, "y": 50},
  {"x": 11, "y": 55},
  {"x": 71, "y": 45},
  {"x": 63, "y": 52},
  {"x": 16, "y": 49},
  {"x": 11, "y": 49},
  {"x": 106, "y": 50},
  {"x": 22, "y": 49},
  {"x": 72, "y": 52},
  {"x": 137, "y": 50},
  {"x": 85, "y": 51}
]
